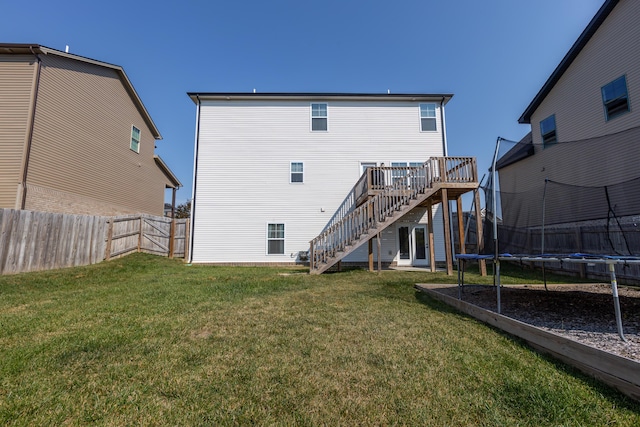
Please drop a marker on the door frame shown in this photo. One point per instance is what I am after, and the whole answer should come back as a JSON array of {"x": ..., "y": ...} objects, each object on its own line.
[{"x": 412, "y": 261}]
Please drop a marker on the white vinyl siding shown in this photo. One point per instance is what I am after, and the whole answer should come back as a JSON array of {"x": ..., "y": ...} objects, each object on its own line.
[{"x": 231, "y": 211}]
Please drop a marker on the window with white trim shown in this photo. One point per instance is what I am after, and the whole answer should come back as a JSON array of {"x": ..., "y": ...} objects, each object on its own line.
[
  {"x": 319, "y": 117},
  {"x": 275, "y": 239},
  {"x": 297, "y": 172},
  {"x": 615, "y": 98},
  {"x": 398, "y": 172},
  {"x": 135, "y": 139},
  {"x": 428, "y": 117},
  {"x": 548, "y": 131}
]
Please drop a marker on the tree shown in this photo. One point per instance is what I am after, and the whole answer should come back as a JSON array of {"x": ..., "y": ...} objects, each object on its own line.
[{"x": 183, "y": 210}]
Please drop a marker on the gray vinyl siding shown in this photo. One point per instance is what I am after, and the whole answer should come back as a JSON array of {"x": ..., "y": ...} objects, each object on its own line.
[
  {"x": 16, "y": 82},
  {"x": 245, "y": 150},
  {"x": 82, "y": 136}
]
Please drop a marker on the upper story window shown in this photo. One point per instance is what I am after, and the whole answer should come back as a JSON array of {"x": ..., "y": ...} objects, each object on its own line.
[
  {"x": 615, "y": 98},
  {"x": 548, "y": 131},
  {"x": 297, "y": 172},
  {"x": 318, "y": 117},
  {"x": 428, "y": 117},
  {"x": 135, "y": 139}
]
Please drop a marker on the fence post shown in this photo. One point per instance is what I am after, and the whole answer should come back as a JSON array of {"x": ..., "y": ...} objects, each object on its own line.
[
  {"x": 172, "y": 237},
  {"x": 107, "y": 255},
  {"x": 187, "y": 235},
  {"x": 140, "y": 235}
]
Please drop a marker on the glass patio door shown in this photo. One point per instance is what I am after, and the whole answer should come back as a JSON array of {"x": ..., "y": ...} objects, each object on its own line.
[{"x": 412, "y": 245}]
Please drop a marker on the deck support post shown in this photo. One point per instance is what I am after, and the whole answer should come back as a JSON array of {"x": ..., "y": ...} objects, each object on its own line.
[
  {"x": 379, "y": 250},
  {"x": 432, "y": 250},
  {"x": 461, "y": 235},
  {"x": 479, "y": 236},
  {"x": 447, "y": 231},
  {"x": 370, "y": 254}
]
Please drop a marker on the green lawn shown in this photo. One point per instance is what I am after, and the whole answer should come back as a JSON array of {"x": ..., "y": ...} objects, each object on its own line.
[{"x": 149, "y": 341}]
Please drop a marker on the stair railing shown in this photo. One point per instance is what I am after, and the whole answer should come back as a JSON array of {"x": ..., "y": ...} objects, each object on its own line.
[{"x": 394, "y": 188}]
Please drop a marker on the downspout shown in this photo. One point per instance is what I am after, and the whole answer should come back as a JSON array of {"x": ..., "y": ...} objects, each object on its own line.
[
  {"x": 195, "y": 181},
  {"x": 27, "y": 154},
  {"x": 445, "y": 150}
]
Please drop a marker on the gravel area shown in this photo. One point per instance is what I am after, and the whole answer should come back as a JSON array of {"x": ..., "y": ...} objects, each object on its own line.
[{"x": 582, "y": 312}]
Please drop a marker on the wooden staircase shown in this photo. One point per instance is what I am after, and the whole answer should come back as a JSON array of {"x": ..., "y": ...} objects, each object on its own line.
[{"x": 383, "y": 195}]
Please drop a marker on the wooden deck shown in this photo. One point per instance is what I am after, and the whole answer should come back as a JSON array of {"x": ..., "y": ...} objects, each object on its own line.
[{"x": 383, "y": 195}]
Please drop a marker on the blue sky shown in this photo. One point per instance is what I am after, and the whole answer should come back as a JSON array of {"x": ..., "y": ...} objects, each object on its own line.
[{"x": 493, "y": 55}]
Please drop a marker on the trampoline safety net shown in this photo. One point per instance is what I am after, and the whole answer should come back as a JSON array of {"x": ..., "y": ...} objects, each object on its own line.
[{"x": 552, "y": 201}]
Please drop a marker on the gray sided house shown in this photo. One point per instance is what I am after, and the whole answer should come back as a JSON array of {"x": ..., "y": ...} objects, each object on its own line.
[
  {"x": 75, "y": 137},
  {"x": 584, "y": 145}
]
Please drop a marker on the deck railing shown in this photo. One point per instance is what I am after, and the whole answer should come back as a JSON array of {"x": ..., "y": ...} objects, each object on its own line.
[{"x": 380, "y": 193}]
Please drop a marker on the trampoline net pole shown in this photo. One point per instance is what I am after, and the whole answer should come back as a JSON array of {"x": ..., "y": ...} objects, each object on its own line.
[{"x": 616, "y": 300}]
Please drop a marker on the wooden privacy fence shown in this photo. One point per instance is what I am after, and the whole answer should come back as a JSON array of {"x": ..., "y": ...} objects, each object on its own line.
[{"x": 32, "y": 241}]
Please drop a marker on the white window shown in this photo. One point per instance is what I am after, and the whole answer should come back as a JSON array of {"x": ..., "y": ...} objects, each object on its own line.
[
  {"x": 297, "y": 172},
  {"x": 319, "y": 117},
  {"x": 366, "y": 165},
  {"x": 402, "y": 173},
  {"x": 275, "y": 239},
  {"x": 398, "y": 171},
  {"x": 135, "y": 139},
  {"x": 428, "y": 117}
]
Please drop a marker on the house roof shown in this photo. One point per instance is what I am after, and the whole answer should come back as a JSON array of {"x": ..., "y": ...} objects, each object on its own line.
[
  {"x": 524, "y": 148},
  {"x": 175, "y": 182},
  {"x": 312, "y": 96},
  {"x": 568, "y": 59},
  {"x": 36, "y": 49}
]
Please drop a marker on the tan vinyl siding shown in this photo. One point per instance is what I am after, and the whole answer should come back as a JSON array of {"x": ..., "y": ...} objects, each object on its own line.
[
  {"x": 576, "y": 99},
  {"x": 601, "y": 161},
  {"x": 16, "y": 82},
  {"x": 81, "y": 141},
  {"x": 591, "y": 151}
]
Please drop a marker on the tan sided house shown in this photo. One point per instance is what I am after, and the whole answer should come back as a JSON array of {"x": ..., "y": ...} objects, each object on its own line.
[
  {"x": 75, "y": 137},
  {"x": 577, "y": 170}
]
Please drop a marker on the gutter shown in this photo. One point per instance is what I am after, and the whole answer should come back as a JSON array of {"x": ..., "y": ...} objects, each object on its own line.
[
  {"x": 32, "y": 120},
  {"x": 195, "y": 181}
]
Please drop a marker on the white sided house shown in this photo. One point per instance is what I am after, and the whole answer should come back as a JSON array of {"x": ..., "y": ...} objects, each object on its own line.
[{"x": 285, "y": 178}]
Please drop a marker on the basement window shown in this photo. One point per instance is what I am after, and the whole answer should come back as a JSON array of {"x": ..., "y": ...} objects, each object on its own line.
[
  {"x": 275, "y": 239},
  {"x": 615, "y": 98}
]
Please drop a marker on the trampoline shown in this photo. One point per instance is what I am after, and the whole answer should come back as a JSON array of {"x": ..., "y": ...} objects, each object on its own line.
[
  {"x": 609, "y": 261},
  {"x": 544, "y": 222}
]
